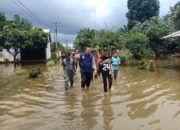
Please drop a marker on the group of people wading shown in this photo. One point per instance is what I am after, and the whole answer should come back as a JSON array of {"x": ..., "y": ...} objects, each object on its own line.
[{"x": 91, "y": 66}]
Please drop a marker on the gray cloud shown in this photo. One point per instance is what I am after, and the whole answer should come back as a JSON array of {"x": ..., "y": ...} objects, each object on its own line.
[{"x": 75, "y": 14}]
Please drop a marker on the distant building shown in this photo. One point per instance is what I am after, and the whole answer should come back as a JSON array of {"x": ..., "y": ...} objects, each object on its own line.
[{"x": 30, "y": 54}]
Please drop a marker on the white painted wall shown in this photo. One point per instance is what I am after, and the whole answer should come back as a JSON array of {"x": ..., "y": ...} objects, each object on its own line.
[
  {"x": 4, "y": 54},
  {"x": 48, "y": 51}
]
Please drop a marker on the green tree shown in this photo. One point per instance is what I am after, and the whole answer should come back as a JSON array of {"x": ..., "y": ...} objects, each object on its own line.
[
  {"x": 123, "y": 30},
  {"x": 2, "y": 20},
  {"x": 174, "y": 15},
  {"x": 155, "y": 29},
  {"x": 137, "y": 43},
  {"x": 38, "y": 38},
  {"x": 141, "y": 10},
  {"x": 85, "y": 38},
  {"x": 13, "y": 39},
  {"x": 18, "y": 34},
  {"x": 109, "y": 39},
  {"x": 22, "y": 23}
]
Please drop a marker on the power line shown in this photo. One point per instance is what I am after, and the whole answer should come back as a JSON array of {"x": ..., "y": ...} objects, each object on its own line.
[
  {"x": 26, "y": 12},
  {"x": 33, "y": 14}
]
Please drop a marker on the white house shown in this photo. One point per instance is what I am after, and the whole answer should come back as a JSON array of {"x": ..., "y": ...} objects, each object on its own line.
[{"x": 6, "y": 55}]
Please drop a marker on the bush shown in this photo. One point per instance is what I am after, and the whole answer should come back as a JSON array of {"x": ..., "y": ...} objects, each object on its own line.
[
  {"x": 51, "y": 63},
  {"x": 34, "y": 73},
  {"x": 6, "y": 60},
  {"x": 137, "y": 42},
  {"x": 132, "y": 62},
  {"x": 21, "y": 72}
]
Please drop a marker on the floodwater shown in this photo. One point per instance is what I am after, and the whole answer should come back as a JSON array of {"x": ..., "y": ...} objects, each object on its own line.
[{"x": 140, "y": 100}]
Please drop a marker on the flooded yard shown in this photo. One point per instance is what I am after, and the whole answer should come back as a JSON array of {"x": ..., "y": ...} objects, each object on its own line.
[{"x": 140, "y": 100}]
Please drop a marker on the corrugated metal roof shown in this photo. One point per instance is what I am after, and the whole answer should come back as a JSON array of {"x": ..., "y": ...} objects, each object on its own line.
[{"x": 173, "y": 35}]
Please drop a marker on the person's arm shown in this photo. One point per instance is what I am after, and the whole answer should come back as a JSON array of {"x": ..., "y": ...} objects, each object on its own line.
[
  {"x": 62, "y": 68},
  {"x": 119, "y": 62},
  {"x": 101, "y": 62},
  {"x": 74, "y": 65},
  {"x": 110, "y": 69},
  {"x": 94, "y": 64},
  {"x": 77, "y": 57}
]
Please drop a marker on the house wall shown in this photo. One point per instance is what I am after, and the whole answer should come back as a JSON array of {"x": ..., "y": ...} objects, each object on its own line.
[
  {"x": 48, "y": 51},
  {"x": 4, "y": 54}
]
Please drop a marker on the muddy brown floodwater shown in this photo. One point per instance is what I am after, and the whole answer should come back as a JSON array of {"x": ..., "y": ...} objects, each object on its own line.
[{"x": 140, "y": 100}]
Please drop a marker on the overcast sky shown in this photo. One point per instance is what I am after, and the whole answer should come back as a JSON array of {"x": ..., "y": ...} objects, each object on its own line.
[{"x": 74, "y": 14}]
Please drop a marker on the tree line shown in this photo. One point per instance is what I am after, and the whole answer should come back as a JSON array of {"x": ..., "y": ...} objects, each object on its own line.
[{"x": 142, "y": 36}]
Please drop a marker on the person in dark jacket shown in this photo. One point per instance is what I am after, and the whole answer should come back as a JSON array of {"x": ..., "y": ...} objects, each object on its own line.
[
  {"x": 106, "y": 70},
  {"x": 86, "y": 64}
]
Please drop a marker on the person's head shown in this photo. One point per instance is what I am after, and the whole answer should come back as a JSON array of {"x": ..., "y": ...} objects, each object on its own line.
[
  {"x": 106, "y": 51},
  {"x": 116, "y": 54},
  {"x": 93, "y": 52},
  {"x": 87, "y": 50},
  {"x": 68, "y": 55},
  {"x": 73, "y": 53}
]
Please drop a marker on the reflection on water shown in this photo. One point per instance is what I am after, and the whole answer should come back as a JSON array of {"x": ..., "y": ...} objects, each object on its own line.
[
  {"x": 140, "y": 100},
  {"x": 107, "y": 113}
]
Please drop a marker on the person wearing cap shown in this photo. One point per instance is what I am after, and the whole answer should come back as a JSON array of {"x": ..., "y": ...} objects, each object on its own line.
[
  {"x": 86, "y": 64},
  {"x": 106, "y": 71},
  {"x": 68, "y": 68}
]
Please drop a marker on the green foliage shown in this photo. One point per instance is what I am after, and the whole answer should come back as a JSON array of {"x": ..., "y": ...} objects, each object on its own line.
[
  {"x": 38, "y": 38},
  {"x": 50, "y": 63},
  {"x": 6, "y": 60},
  {"x": 141, "y": 10},
  {"x": 155, "y": 30},
  {"x": 142, "y": 64},
  {"x": 18, "y": 33},
  {"x": 174, "y": 15},
  {"x": 22, "y": 23},
  {"x": 53, "y": 49},
  {"x": 34, "y": 73},
  {"x": 123, "y": 30},
  {"x": 85, "y": 38},
  {"x": 21, "y": 72},
  {"x": 143, "y": 35},
  {"x": 137, "y": 43},
  {"x": 132, "y": 62},
  {"x": 108, "y": 39},
  {"x": 2, "y": 20}
]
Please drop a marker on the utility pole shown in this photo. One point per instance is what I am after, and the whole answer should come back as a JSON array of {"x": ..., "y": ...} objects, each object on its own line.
[
  {"x": 56, "y": 31},
  {"x": 56, "y": 37}
]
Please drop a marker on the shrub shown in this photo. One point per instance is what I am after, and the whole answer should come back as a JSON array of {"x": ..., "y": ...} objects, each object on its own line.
[
  {"x": 50, "y": 63},
  {"x": 132, "y": 62},
  {"x": 6, "y": 60},
  {"x": 34, "y": 73},
  {"x": 21, "y": 72},
  {"x": 137, "y": 42}
]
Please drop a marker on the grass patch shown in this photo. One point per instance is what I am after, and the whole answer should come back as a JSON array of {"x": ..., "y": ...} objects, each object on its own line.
[
  {"x": 132, "y": 62},
  {"x": 51, "y": 63},
  {"x": 21, "y": 72}
]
